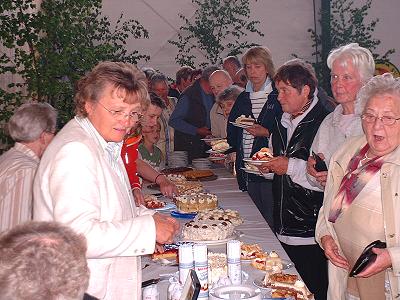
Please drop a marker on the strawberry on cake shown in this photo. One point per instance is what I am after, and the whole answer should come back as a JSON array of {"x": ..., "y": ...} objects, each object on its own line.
[{"x": 264, "y": 154}]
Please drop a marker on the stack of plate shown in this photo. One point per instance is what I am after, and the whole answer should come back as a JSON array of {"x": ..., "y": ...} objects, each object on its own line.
[
  {"x": 177, "y": 159},
  {"x": 201, "y": 163}
]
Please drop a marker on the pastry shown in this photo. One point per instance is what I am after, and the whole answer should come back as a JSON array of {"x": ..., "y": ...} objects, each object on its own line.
[
  {"x": 249, "y": 251},
  {"x": 268, "y": 262},
  {"x": 217, "y": 267},
  {"x": 243, "y": 120},
  {"x": 176, "y": 178},
  {"x": 263, "y": 154},
  {"x": 287, "y": 283},
  {"x": 197, "y": 174},
  {"x": 189, "y": 187},
  {"x": 221, "y": 215},
  {"x": 221, "y": 145},
  {"x": 151, "y": 202}
]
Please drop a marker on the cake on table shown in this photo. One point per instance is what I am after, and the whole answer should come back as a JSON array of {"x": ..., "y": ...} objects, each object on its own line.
[
  {"x": 176, "y": 178},
  {"x": 267, "y": 262},
  {"x": 285, "y": 285},
  {"x": 197, "y": 174},
  {"x": 196, "y": 202},
  {"x": 188, "y": 187},
  {"x": 249, "y": 251},
  {"x": 217, "y": 267},
  {"x": 222, "y": 215},
  {"x": 207, "y": 230}
]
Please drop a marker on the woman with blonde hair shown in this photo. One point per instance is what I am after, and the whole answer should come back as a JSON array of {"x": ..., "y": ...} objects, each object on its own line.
[{"x": 260, "y": 102}]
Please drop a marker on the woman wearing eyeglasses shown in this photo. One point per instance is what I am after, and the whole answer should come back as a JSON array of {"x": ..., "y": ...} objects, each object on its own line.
[
  {"x": 361, "y": 202},
  {"x": 82, "y": 182},
  {"x": 351, "y": 66}
]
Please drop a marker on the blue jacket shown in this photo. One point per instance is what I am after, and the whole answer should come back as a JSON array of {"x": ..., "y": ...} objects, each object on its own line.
[{"x": 242, "y": 106}]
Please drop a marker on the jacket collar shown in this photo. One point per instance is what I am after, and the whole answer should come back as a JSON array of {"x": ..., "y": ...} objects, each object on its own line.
[{"x": 355, "y": 144}]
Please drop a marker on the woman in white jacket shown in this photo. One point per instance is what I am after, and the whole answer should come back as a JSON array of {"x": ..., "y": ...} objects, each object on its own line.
[{"x": 81, "y": 182}]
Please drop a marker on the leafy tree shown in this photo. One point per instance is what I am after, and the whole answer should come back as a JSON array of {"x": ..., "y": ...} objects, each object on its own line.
[
  {"x": 218, "y": 27},
  {"x": 344, "y": 24},
  {"x": 53, "y": 45}
]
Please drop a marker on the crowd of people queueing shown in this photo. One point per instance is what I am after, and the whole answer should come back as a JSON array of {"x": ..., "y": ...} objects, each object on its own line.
[{"x": 88, "y": 176}]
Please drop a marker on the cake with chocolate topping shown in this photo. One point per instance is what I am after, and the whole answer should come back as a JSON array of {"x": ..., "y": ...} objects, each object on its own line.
[{"x": 207, "y": 230}]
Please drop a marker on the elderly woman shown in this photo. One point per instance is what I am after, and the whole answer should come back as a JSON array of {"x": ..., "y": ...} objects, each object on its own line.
[
  {"x": 259, "y": 101},
  {"x": 32, "y": 127},
  {"x": 362, "y": 193},
  {"x": 351, "y": 67},
  {"x": 82, "y": 182}
]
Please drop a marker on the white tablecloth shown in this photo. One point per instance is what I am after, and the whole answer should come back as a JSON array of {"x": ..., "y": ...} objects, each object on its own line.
[{"x": 255, "y": 229}]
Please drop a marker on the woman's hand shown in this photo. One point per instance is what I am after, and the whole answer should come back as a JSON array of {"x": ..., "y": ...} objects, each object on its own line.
[
  {"x": 319, "y": 176},
  {"x": 138, "y": 196},
  {"x": 167, "y": 188},
  {"x": 382, "y": 262},
  {"x": 258, "y": 130},
  {"x": 277, "y": 165},
  {"x": 331, "y": 250}
]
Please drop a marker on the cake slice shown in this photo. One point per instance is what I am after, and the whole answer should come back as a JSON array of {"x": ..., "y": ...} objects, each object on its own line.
[
  {"x": 243, "y": 120},
  {"x": 287, "y": 283},
  {"x": 263, "y": 154}
]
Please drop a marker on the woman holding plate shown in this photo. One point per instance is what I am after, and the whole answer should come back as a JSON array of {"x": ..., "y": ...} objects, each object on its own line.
[{"x": 259, "y": 101}]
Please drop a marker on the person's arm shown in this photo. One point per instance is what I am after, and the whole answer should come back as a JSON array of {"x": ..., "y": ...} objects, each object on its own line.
[
  {"x": 297, "y": 170},
  {"x": 231, "y": 130},
  {"x": 177, "y": 118},
  {"x": 149, "y": 173},
  {"x": 77, "y": 199}
]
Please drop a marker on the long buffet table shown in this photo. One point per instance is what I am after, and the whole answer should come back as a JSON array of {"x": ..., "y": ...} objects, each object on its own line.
[{"x": 254, "y": 229}]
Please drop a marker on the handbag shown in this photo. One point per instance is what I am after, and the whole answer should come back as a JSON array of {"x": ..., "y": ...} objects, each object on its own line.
[{"x": 367, "y": 257}]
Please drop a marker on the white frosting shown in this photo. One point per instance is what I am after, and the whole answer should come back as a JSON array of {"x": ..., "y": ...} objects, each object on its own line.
[
  {"x": 217, "y": 267},
  {"x": 207, "y": 230}
]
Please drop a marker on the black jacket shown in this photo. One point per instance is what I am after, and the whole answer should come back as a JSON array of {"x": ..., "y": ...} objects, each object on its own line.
[
  {"x": 295, "y": 207},
  {"x": 242, "y": 106}
]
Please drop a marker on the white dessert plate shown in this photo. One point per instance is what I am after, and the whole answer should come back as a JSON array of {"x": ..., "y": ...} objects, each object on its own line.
[
  {"x": 251, "y": 171},
  {"x": 255, "y": 162},
  {"x": 216, "y": 158},
  {"x": 258, "y": 282},
  {"x": 212, "y": 139},
  {"x": 234, "y": 236},
  {"x": 240, "y": 125},
  {"x": 167, "y": 206},
  {"x": 211, "y": 151}
]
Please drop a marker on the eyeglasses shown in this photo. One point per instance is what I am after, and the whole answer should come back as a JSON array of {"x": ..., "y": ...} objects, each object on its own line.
[
  {"x": 386, "y": 120},
  {"x": 121, "y": 115}
]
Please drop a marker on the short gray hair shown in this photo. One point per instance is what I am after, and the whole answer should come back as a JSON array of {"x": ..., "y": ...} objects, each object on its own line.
[
  {"x": 379, "y": 85},
  {"x": 43, "y": 260},
  {"x": 156, "y": 78},
  {"x": 230, "y": 93},
  {"x": 361, "y": 58},
  {"x": 30, "y": 120}
]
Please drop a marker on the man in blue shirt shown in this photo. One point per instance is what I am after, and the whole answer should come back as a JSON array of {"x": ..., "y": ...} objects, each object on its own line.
[{"x": 191, "y": 117}]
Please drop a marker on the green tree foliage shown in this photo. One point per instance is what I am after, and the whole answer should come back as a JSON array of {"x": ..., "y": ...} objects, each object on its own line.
[
  {"x": 50, "y": 47},
  {"x": 217, "y": 29},
  {"x": 346, "y": 24}
]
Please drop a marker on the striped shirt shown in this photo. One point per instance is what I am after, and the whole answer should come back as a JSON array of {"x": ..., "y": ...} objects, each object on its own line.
[
  {"x": 258, "y": 100},
  {"x": 17, "y": 170}
]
